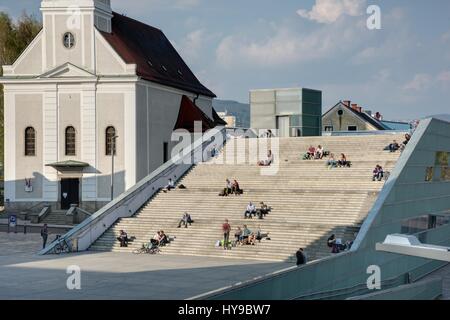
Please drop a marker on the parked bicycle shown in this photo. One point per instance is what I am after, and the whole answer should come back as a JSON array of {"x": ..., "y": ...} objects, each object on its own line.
[
  {"x": 62, "y": 246},
  {"x": 147, "y": 249}
]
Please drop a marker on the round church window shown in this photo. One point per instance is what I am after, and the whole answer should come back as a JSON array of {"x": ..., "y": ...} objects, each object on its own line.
[{"x": 69, "y": 40}]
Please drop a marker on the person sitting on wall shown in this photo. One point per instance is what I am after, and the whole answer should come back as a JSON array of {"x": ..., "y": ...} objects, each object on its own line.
[
  {"x": 394, "y": 146},
  {"x": 123, "y": 239},
  {"x": 236, "y": 189},
  {"x": 405, "y": 143},
  {"x": 251, "y": 211},
  {"x": 378, "y": 173},
  {"x": 268, "y": 162},
  {"x": 301, "y": 259},
  {"x": 319, "y": 153},
  {"x": 331, "y": 241},
  {"x": 331, "y": 162}
]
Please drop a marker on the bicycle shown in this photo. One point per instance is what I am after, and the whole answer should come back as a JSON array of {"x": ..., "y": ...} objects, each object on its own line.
[
  {"x": 62, "y": 246},
  {"x": 146, "y": 249}
]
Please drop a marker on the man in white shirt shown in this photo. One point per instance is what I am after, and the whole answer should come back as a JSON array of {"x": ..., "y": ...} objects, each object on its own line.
[
  {"x": 251, "y": 210},
  {"x": 170, "y": 185}
]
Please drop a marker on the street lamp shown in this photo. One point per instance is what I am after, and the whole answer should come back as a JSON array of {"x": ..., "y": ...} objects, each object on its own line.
[{"x": 113, "y": 153}]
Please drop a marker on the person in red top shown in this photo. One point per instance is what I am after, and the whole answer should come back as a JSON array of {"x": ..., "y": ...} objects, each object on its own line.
[{"x": 226, "y": 228}]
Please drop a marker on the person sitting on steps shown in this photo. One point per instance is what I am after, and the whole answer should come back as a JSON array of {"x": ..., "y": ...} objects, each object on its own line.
[
  {"x": 238, "y": 235},
  {"x": 170, "y": 186},
  {"x": 343, "y": 162},
  {"x": 185, "y": 220},
  {"x": 394, "y": 146},
  {"x": 236, "y": 189},
  {"x": 378, "y": 173},
  {"x": 163, "y": 239},
  {"x": 123, "y": 239},
  {"x": 246, "y": 233},
  {"x": 156, "y": 239},
  {"x": 251, "y": 210},
  {"x": 311, "y": 152},
  {"x": 319, "y": 153},
  {"x": 263, "y": 210},
  {"x": 268, "y": 162},
  {"x": 228, "y": 189},
  {"x": 331, "y": 162}
]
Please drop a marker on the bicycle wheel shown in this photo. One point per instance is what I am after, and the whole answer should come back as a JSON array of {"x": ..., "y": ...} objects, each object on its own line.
[
  {"x": 66, "y": 248},
  {"x": 58, "y": 249}
]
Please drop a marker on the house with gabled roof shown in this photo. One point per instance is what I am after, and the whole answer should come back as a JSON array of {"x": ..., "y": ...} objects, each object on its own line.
[
  {"x": 348, "y": 116},
  {"x": 91, "y": 86}
]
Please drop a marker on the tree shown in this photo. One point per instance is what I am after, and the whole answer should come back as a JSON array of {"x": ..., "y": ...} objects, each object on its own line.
[{"x": 14, "y": 39}]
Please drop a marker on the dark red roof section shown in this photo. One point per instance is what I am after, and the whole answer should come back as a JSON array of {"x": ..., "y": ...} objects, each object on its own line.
[
  {"x": 189, "y": 114},
  {"x": 155, "y": 57}
]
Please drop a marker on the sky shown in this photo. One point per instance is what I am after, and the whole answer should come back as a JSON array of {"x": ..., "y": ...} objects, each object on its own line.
[{"x": 401, "y": 70}]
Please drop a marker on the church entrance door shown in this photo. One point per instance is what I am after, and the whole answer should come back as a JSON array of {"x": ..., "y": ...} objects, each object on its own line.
[{"x": 70, "y": 193}]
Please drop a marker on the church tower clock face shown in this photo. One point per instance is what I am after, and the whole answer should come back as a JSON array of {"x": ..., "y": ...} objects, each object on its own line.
[{"x": 69, "y": 40}]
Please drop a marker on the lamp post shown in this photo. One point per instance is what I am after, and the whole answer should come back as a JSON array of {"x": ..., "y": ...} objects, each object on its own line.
[{"x": 113, "y": 153}]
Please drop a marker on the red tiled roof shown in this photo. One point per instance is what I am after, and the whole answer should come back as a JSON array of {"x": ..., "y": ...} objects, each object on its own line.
[
  {"x": 189, "y": 114},
  {"x": 155, "y": 57}
]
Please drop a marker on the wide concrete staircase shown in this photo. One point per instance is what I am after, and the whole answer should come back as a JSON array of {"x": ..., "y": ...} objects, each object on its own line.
[{"x": 309, "y": 201}]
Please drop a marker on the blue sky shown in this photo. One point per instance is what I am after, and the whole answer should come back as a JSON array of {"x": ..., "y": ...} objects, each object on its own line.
[{"x": 402, "y": 70}]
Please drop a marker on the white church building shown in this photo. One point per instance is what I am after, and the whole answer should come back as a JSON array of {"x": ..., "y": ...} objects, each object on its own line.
[{"x": 93, "y": 83}]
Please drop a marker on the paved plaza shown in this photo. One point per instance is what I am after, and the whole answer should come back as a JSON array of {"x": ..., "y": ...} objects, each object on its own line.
[{"x": 24, "y": 275}]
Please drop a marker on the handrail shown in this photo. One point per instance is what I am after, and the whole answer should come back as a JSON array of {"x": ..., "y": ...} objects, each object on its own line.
[
  {"x": 162, "y": 171},
  {"x": 44, "y": 212},
  {"x": 84, "y": 211}
]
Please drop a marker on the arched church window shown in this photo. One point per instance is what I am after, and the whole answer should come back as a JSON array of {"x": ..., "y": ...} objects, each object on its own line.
[
  {"x": 30, "y": 142},
  {"x": 69, "y": 40},
  {"x": 110, "y": 143},
  {"x": 70, "y": 141}
]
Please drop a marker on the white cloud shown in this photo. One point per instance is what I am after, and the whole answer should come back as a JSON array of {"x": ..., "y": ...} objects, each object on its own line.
[
  {"x": 286, "y": 46},
  {"x": 446, "y": 37},
  {"x": 420, "y": 82},
  {"x": 444, "y": 80},
  {"x": 329, "y": 11},
  {"x": 192, "y": 44}
]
